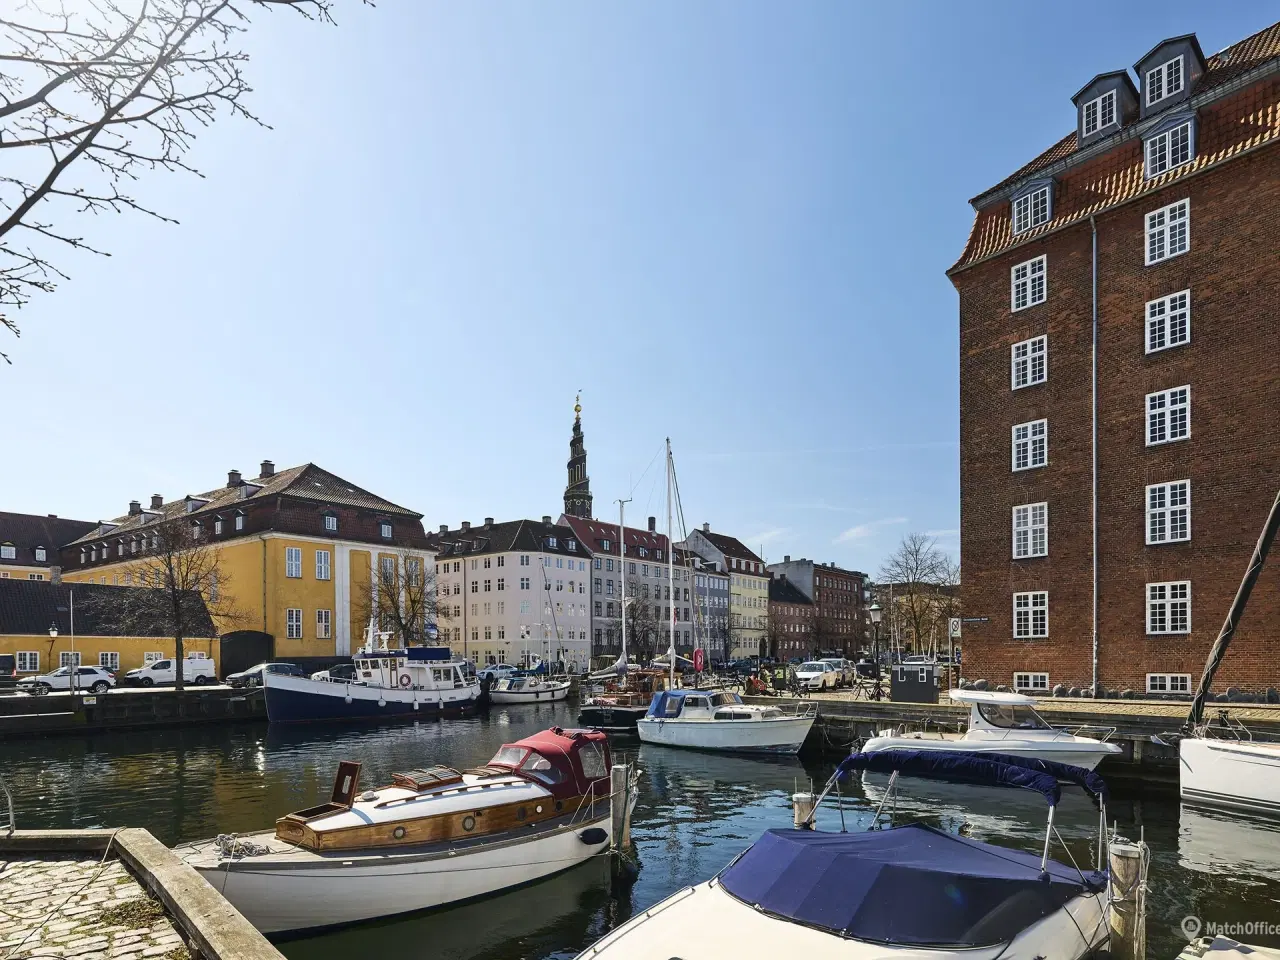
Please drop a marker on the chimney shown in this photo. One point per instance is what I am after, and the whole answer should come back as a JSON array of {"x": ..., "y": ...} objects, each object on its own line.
[
  {"x": 55, "y": 575},
  {"x": 465, "y": 525},
  {"x": 233, "y": 478},
  {"x": 488, "y": 522},
  {"x": 157, "y": 501},
  {"x": 546, "y": 520},
  {"x": 53, "y": 516},
  {"x": 653, "y": 524},
  {"x": 444, "y": 528},
  {"x": 786, "y": 558},
  {"x": 135, "y": 508},
  {"x": 268, "y": 469},
  {"x": 706, "y": 528}
]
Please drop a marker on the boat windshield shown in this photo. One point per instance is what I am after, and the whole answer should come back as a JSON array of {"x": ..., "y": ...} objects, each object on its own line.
[
  {"x": 509, "y": 756},
  {"x": 541, "y": 768},
  {"x": 1012, "y": 717},
  {"x": 516, "y": 684}
]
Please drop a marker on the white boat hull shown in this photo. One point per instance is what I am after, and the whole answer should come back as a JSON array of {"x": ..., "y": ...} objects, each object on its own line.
[
  {"x": 547, "y": 694},
  {"x": 302, "y": 890},
  {"x": 1075, "y": 751},
  {"x": 781, "y": 735},
  {"x": 1238, "y": 774}
]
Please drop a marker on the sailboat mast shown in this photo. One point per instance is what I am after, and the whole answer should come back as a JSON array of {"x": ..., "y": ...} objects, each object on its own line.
[
  {"x": 622, "y": 574},
  {"x": 671, "y": 578}
]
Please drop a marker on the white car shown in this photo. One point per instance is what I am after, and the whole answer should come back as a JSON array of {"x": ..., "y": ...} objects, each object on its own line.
[
  {"x": 197, "y": 670},
  {"x": 843, "y": 669},
  {"x": 817, "y": 675},
  {"x": 495, "y": 672},
  {"x": 89, "y": 679}
]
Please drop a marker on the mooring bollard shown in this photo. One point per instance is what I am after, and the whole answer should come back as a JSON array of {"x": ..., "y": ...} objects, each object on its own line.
[
  {"x": 801, "y": 809},
  {"x": 1128, "y": 863},
  {"x": 618, "y": 784}
]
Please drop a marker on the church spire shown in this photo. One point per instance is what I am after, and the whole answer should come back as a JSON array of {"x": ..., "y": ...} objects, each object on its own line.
[{"x": 577, "y": 495}]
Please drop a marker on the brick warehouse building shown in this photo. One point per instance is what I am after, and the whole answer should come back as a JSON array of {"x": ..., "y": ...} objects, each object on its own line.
[{"x": 1179, "y": 174}]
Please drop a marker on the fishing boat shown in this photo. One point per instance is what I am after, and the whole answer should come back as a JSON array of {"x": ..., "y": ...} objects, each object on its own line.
[
  {"x": 391, "y": 683},
  {"x": 431, "y": 837},
  {"x": 908, "y": 891},
  {"x": 528, "y": 689},
  {"x": 1005, "y": 723},
  {"x": 707, "y": 720}
]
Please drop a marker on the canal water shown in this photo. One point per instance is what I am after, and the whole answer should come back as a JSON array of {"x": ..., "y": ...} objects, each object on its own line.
[{"x": 695, "y": 813}]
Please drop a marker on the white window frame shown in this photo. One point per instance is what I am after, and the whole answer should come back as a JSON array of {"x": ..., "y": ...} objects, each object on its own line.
[
  {"x": 1027, "y": 358},
  {"x": 1169, "y": 224},
  {"x": 1030, "y": 441},
  {"x": 41, "y": 555},
  {"x": 1165, "y": 512},
  {"x": 293, "y": 563},
  {"x": 1035, "y": 680},
  {"x": 385, "y": 529},
  {"x": 1167, "y": 410},
  {"x": 1165, "y": 683},
  {"x": 1033, "y": 209},
  {"x": 239, "y": 524},
  {"x": 29, "y": 657},
  {"x": 331, "y": 522},
  {"x": 1098, "y": 104},
  {"x": 1162, "y": 71},
  {"x": 324, "y": 566},
  {"x": 1169, "y": 150},
  {"x": 1035, "y": 600},
  {"x": 8, "y": 551},
  {"x": 1028, "y": 519},
  {"x": 1162, "y": 314},
  {"x": 324, "y": 624},
  {"x": 68, "y": 658},
  {"x": 109, "y": 660},
  {"x": 1162, "y": 595},
  {"x": 293, "y": 623},
  {"x": 1025, "y": 275}
]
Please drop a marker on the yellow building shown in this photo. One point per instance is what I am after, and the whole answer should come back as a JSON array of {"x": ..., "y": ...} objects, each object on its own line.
[
  {"x": 29, "y": 543},
  {"x": 748, "y": 588},
  {"x": 296, "y": 553}
]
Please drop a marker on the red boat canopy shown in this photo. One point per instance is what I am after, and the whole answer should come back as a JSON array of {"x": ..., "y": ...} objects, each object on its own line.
[{"x": 567, "y": 762}]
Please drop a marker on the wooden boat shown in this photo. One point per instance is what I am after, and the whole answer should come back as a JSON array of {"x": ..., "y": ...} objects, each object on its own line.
[
  {"x": 431, "y": 837},
  {"x": 528, "y": 689},
  {"x": 619, "y": 708}
]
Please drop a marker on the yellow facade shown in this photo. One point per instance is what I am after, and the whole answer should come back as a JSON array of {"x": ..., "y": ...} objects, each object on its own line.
[
  {"x": 24, "y": 573},
  {"x": 748, "y": 614},
  {"x": 130, "y": 651}
]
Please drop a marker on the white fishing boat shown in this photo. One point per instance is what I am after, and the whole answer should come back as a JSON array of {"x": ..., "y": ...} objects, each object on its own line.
[
  {"x": 1004, "y": 723},
  {"x": 719, "y": 720},
  {"x": 432, "y": 837},
  {"x": 528, "y": 689}
]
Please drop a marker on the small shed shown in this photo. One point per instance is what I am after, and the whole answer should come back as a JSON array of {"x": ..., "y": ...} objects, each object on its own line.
[{"x": 914, "y": 683}]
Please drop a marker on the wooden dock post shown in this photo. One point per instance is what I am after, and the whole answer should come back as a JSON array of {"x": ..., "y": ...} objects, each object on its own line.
[
  {"x": 1128, "y": 863},
  {"x": 619, "y": 784}
]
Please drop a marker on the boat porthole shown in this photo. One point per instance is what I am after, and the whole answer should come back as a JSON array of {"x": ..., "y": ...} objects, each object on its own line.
[
  {"x": 559, "y": 805},
  {"x": 468, "y": 823},
  {"x": 398, "y": 833},
  {"x": 520, "y": 814},
  {"x": 538, "y": 808}
]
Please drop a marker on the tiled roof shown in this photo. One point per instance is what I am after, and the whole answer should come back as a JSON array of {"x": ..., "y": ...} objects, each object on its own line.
[
  {"x": 782, "y": 590},
  {"x": 730, "y": 546},
  {"x": 27, "y": 531},
  {"x": 510, "y": 535},
  {"x": 1116, "y": 175},
  {"x": 29, "y": 607},
  {"x": 592, "y": 532}
]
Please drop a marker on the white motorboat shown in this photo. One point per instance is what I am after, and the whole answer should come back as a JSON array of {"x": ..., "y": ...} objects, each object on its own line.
[
  {"x": 432, "y": 837},
  {"x": 1241, "y": 774},
  {"x": 910, "y": 892},
  {"x": 1005, "y": 723},
  {"x": 707, "y": 720},
  {"x": 528, "y": 690}
]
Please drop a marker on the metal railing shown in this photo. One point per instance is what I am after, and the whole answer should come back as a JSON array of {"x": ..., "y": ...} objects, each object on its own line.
[{"x": 8, "y": 799}]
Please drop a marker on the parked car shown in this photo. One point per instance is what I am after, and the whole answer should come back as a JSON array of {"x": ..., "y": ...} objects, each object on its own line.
[
  {"x": 253, "y": 676},
  {"x": 495, "y": 672},
  {"x": 817, "y": 675},
  {"x": 157, "y": 673},
  {"x": 91, "y": 679},
  {"x": 8, "y": 669},
  {"x": 918, "y": 658},
  {"x": 339, "y": 673},
  {"x": 843, "y": 669}
]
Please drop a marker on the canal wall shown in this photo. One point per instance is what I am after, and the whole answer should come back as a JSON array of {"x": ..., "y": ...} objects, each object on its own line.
[{"x": 22, "y": 715}]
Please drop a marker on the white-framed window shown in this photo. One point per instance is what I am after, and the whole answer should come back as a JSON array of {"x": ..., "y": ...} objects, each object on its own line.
[
  {"x": 1168, "y": 683},
  {"x": 323, "y": 618},
  {"x": 331, "y": 522},
  {"x": 1168, "y": 415},
  {"x": 28, "y": 661},
  {"x": 1029, "y": 362},
  {"x": 35, "y": 576},
  {"x": 239, "y": 521},
  {"x": 1169, "y": 149},
  {"x": 322, "y": 565},
  {"x": 293, "y": 623},
  {"x": 69, "y": 658},
  {"x": 109, "y": 659},
  {"x": 1032, "y": 209},
  {"x": 293, "y": 562},
  {"x": 388, "y": 567},
  {"x": 1031, "y": 615},
  {"x": 1030, "y": 530},
  {"x": 1164, "y": 81},
  {"x": 1169, "y": 321},
  {"x": 8, "y": 551},
  {"x": 1168, "y": 231},
  {"x": 217, "y": 525},
  {"x": 386, "y": 530},
  {"x": 1030, "y": 445},
  {"x": 1031, "y": 681},
  {"x": 151, "y": 656},
  {"x": 1169, "y": 607},
  {"x": 1169, "y": 512},
  {"x": 1099, "y": 112},
  {"x": 1027, "y": 283},
  {"x": 41, "y": 555}
]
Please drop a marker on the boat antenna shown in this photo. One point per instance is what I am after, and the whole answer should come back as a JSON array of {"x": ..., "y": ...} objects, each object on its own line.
[{"x": 671, "y": 582}]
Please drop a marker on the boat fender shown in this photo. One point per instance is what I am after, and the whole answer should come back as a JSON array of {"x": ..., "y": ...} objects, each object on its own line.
[
  {"x": 415, "y": 704},
  {"x": 381, "y": 702},
  {"x": 406, "y": 681},
  {"x": 593, "y": 836}
]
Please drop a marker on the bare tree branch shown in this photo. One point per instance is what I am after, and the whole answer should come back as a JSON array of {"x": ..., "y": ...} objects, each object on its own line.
[{"x": 922, "y": 580}]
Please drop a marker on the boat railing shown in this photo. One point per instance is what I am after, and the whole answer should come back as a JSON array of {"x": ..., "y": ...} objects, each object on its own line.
[
  {"x": 8, "y": 799},
  {"x": 806, "y": 710},
  {"x": 1094, "y": 731}
]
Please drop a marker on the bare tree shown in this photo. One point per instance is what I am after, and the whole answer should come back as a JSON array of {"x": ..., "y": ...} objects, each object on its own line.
[
  {"x": 402, "y": 595},
  {"x": 923, "y": 586},
  {"x": 94, "y": 96}
]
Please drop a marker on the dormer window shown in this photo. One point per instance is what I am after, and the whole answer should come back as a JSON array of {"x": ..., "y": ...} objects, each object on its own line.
[
  {"x": 217, "y": 526},
  {"x": 386, "y": 530},
  {"x": 8, "y": 551},
  {"x": 331, "y": 522},
  {"x": 606, "y": 545},
  {"x": 41, "y": 555},
  {"x": 239, "y": 520},
  {"x": 1100, "y": 112},
  {"x": 1164, "y": 81},
  {"x": 1032, "y": 208},
  {"x": 551, "y": 542},
  {"x": 572, "y": 545}
]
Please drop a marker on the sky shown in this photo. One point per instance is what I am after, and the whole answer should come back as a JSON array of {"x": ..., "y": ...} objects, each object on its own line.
[{"x": 727, "y": 223}]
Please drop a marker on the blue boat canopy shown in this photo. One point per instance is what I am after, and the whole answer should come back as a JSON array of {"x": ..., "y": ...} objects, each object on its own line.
[{"x": 912, "y": 885}]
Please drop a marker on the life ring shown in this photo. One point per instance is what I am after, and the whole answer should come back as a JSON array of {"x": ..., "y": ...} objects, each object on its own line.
[{"x": 406, "y": 681}]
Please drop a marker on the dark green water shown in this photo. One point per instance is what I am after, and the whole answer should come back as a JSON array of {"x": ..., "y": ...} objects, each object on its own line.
[{"x": 695, "y": 813}]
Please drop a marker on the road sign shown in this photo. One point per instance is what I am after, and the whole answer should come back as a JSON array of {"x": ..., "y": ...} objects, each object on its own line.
[
  {"x": 974, "y": 619},
  {"x": 953, "y": 627}
]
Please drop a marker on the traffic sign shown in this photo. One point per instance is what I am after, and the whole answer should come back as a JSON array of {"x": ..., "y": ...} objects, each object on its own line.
[{"x": 953, "y": 627}]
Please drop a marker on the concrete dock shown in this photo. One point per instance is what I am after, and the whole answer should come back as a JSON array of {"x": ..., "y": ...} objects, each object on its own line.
[{"x": 23, "y": 715}]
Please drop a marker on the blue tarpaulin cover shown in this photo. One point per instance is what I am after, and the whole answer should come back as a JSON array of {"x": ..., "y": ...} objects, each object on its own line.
[
  {"x": 951, "y": 765},
  {"x": 911, "y": 885}
]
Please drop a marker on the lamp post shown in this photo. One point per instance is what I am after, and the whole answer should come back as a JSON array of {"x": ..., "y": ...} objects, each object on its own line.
[{"x": 876, "y": 614}]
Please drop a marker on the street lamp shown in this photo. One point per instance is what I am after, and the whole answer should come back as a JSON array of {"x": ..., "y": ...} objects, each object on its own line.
[
  {"x": 53, "y": 630},
  {"x": 876, "y": 614}
]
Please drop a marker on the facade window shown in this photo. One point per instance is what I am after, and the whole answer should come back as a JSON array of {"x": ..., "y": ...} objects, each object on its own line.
[
  {"x": 551, "y": 542},
  {"x": 322, "y": 564},
  {"x": 1031, "y": 530},
  {"x": 1030, "y": 615},
  {"x": 1169, "y": 321},
  {"x": 1169, "y": 149},
  {"x": 331, "y": 522},
  {"x": 502, "y": 583},
  {"x": 151, "y": 656},
  {"x": 1032, "y": 209},
  {"x": 323, "y": 618},
  {"x": 502, "y": 561},
  {"x": 1164, "y": 81},
  {"x": 1029, "y": 362},
  {"x": 1030, "y": 681},
  {"x": 293, "y": 623},
  {"x": 1168, "y": 683},
  {"x": 1169, "y": 512},
  {"x": 413, "y": 571},
  {"x": 1028, "y": 284},
  {"x": 386, "y": 530},
  {"x": 389, "y": 569},
  {"x": 8, "y": 551},
  {"x": 1168, "y": 231},
  {"x": 488, "y": 586},
  {"x": 524, "y": 559},
  {"x": 69, "y": 658},
  {"x": 1168, "y": 415},
  {"x": 109, "y": 659},
  {"x": 1099, "y": 112},
  {"x": 40, "y": 554},
  {"x": 488, "y": 562},
  {"x": 217, "y": 525},
  {"x": 1030, "y": 445},
  {"x": 28, "y": 661},
  {"x": 239, "y": 521},
  {"x": 524, "y": 606},
  {"x": 1169, "y": 607},
  {"x": 34, "y": 576},
  {"x": 293, "y": 562},
  {"x": 572, "y": 545},
  {"x": 524, "y": 583}
]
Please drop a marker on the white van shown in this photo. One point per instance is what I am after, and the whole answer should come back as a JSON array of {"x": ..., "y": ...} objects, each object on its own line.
[{"x": 195, "y": 669}]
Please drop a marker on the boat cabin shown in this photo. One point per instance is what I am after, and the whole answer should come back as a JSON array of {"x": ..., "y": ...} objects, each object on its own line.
[
  {"x": 996, "y": 711},
  {"x": 706, "y": 705},
  {"x": 569, "y": 763},
  {"x": 416, "y": 668}
]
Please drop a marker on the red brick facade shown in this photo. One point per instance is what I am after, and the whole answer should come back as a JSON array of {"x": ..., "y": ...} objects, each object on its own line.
[{"x": 1232, "y": 456}]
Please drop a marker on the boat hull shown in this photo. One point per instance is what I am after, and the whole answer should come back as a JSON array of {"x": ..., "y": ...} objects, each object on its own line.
[
  {"x": 1077, "y": 752},
  {"x": 1237, "y": 774},
  {"x": 299, "y": 699},
  {"x": 612, "y": 719},
  {"x": 774, "y": 736},
  {"x": 289, "y": 894},
  {"x": 543, "y": 695}
]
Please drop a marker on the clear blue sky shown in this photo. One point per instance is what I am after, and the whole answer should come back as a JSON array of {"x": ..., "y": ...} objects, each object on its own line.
[{"x": 727, "y": 222}]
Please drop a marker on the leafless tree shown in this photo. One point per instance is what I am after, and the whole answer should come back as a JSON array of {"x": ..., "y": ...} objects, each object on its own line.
[
  {"x": 402, "y": 595},
  {"x": 646, "y": 628},
  {"x": 924, "y": 581},
  {"x": 93, "y": 94}
]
